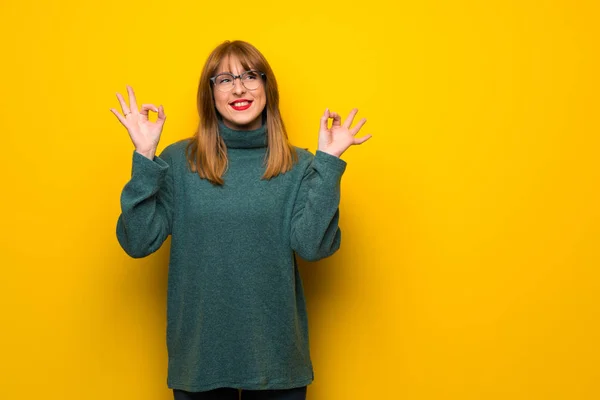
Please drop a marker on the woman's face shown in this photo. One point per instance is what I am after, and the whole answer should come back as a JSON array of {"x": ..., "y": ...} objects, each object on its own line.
[{"x": 237, "y": 114}]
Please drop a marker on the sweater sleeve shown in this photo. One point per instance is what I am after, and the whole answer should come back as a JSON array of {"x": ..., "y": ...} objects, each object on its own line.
[
  {"x": 146, "y": 206},
  {"x": 315, "y": 233}
]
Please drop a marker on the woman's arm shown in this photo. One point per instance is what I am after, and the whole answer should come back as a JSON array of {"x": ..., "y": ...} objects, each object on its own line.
[
  {"x": 146, "y": 206},
  {"x": 315, "y": 233}
]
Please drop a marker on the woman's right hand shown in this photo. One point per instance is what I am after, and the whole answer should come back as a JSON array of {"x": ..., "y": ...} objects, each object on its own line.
[{"x": 144, "y": 134}]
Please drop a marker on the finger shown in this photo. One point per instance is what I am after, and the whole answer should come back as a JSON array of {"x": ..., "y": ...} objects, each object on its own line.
[
  {"x": 350, "y": 118},
  {"x": 119, "y": 117},
  {"x": 124, "y": 105},
  {"x": 324, "y": 120},
  {"x": 161, "y": 114},
  {"x": 146, "y": 109},
  {"x": 337, "y": 119},
  {"x": 132, "y": 102},
  {"x": 362, "y": 139},
  {"x": 359, "y": 125}
]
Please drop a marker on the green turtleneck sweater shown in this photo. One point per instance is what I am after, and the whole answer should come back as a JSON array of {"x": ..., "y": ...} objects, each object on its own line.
[{"x": 236, "y": 313}]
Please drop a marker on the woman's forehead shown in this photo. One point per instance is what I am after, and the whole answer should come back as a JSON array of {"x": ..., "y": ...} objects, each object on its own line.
[{"x": 231, "y": 64}]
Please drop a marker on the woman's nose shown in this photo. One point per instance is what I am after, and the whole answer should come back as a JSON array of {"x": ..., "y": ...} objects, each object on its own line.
[{"x": 238, "y": 86}]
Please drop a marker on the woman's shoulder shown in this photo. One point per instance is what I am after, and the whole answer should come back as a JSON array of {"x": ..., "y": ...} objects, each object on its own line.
[
  {"x": 176, "y": 150},
  {"x": 304, "y": 155}
]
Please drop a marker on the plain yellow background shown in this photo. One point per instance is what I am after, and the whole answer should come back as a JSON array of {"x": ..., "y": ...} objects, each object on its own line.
[{"x": 471, "y": 220}]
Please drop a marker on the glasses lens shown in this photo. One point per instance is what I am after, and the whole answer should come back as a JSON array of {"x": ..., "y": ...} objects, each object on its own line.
[
  {"x": 251, "y": 79},
  {"x": 224, "y": 82}
]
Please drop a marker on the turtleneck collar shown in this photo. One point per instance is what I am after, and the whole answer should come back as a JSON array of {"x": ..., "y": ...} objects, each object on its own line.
[{"x": 236, "y": 139}]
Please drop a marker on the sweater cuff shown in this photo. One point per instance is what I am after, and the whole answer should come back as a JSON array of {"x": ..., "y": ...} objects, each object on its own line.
[
  {"x": 326, "y": 161},
  {"x": 151, "y": 171}
]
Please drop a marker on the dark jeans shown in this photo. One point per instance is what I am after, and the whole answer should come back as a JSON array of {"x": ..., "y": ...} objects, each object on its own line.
[{"x": 234, "y": 394}]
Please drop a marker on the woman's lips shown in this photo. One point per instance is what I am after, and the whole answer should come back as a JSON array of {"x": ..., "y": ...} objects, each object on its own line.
[{"x": 241, "y": 108}]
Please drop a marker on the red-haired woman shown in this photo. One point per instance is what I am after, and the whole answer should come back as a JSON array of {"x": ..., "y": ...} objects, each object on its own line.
[{"x": 239, "y": 202}]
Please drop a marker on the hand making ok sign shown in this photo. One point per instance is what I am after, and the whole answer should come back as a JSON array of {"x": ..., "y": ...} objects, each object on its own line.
[
  {"x": 339, "y": 137},
  {"x": 144, "y": 134}
]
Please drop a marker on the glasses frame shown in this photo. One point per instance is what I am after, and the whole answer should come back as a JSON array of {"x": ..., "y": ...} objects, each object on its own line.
[{"x": 214, "y": 78}]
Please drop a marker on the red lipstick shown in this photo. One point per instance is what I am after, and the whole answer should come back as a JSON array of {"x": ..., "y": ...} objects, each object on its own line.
[{"x": 241, "y": 108}]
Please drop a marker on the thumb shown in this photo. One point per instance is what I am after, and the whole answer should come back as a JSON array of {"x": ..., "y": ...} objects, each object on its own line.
[
  {"x": 161, "y": 115},
  {"x": 324, "y": 120}
]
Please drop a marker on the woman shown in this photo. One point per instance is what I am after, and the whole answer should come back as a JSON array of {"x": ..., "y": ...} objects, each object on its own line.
[{"x": 239, "y": 202}]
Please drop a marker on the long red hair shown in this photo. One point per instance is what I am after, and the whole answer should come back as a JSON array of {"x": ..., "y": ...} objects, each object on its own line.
[{"x": 207, "y": 153}]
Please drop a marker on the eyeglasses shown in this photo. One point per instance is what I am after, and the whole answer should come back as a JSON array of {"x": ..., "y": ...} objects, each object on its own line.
[{"x": 251, "y": 80}]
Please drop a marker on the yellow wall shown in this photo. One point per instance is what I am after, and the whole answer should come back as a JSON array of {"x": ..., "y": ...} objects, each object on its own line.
[{"x": 471, "y": 222}]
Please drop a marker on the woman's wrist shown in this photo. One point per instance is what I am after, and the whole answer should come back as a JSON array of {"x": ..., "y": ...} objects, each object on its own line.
[
  {"x": 149, "y": 154},
  {"x": 331, "y": 153}
]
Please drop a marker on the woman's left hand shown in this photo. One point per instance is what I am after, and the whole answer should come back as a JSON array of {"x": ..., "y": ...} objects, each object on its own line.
[{"x": 338, "y": 138}]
